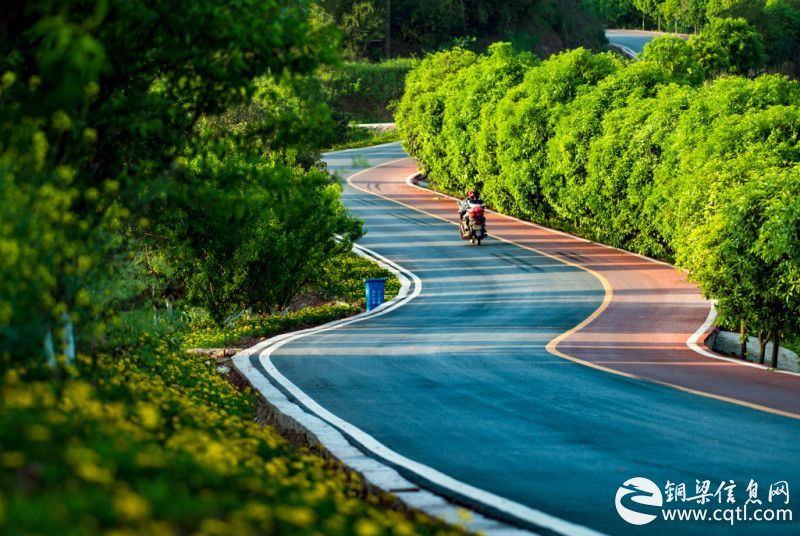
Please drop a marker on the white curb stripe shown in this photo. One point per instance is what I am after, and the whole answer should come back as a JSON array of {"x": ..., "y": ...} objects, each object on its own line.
[{"x": 432, "y": 504}]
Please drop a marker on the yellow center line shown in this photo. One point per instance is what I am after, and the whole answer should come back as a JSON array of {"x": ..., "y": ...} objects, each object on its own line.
[{"x": 609, "y": 293}]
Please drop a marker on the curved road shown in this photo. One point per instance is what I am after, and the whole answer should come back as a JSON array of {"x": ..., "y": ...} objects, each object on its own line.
[
  {"x": 634, "y": 40},
  {"x": 465, "y": 378}
]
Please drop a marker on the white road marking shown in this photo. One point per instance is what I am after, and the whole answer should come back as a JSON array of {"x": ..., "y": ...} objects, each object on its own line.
[{"x": 487, "y": 526}]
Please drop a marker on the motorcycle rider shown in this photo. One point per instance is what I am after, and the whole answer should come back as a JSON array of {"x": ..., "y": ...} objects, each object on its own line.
[{"x": 472, "y": 200}]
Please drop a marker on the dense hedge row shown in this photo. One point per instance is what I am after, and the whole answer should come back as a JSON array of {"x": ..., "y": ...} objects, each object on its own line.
[{"x": 638, "y": 155}]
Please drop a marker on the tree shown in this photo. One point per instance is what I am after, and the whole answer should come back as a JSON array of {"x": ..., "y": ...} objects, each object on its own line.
[
  {"x": 420, "y": 112},
  {"x": 476, "y": 89},
  {"x": 747, "y": 9},
  {"x": 613, "y": 13},
  {"x": 684, "y": 13},
  {"x": 780, "y": 28},
  {"x": 564, "y": 182},
  {"x": 649, "y": 8},
  {"x": 743, "y": 256},
  {"x": 676, "y": 56},
  {"x": 411, "y": 27},
  {"x": 361, "y": 27},
  {"x": 729, "y": 46},
  {"x": 513, "y": 140},
  {"x": 101, "y": 121}
]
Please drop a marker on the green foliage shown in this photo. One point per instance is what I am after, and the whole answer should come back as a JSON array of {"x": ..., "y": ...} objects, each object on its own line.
[
  {"x": 729, "y": 46},
  {"x": 747, "y": 260},
  {"x": 251, "y": 327},
  {"x": 343, "y": 277},
  {"x": 420, "y": 113},
  {"x": 684, "y": 13},
  {"x": 362, "y": 28},
  {"x": 158, "y": 140},
  {"x": 676, "y": 56},
  {"x": 365, "y": 92},
  {"x": 340, "y": 278},
  {"x": 255, "y": 232},
  {"x": 747, "y": 9},
  {"x": 416, "y": 26},
  {"x": 476, "y": 89},
  {"x": 511, "y": 167},
  {"x": 636, "y": 155},
  {"x": 155, "y": 441},
  {"x": 613, "y": 13},
  {"x": 565, "y": 183},
  {"x": 780, "y": 27}
]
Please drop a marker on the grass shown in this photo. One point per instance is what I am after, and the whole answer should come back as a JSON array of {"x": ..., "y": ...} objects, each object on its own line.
[
  {"x": 147, "y": 439},
  {"x": 357, "y": 137},
  {"x": 341, "y": 282}
]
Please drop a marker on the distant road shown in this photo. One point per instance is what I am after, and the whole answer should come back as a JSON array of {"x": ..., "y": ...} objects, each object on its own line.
[{"x": 634, "y": 40}]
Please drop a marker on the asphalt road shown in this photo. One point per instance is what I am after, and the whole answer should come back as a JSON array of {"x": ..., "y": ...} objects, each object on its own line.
[
  {"x": 460, "y": 378},
  {"x": 634, "y": 40}
]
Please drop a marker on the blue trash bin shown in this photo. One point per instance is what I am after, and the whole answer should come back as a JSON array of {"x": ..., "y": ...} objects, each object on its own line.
[{"x": 375, "y": 291}]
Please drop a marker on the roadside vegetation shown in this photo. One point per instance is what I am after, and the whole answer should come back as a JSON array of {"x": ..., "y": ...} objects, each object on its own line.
[
  {"x": 162, "y": 187},
  {"x": 778, "y": 21},
  {"x": 361, "y": 92},
  {"x": 380, "y": 41},
  {"x": 337, "y": 293},
  {"x": 147, "y": 438},
  {"x": 376, "y": 30},
  {"x": 677, "y": 156},
  {"x": 356, "y": 137}
]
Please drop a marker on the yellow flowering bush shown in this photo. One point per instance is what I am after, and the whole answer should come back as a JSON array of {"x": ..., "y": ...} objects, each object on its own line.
[
  {"x": 147, "y": 439},
  {"x": 155, "y": 441}
]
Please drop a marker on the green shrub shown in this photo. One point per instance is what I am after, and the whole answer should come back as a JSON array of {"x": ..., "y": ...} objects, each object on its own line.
[
  {"x": 363, "y": 92},
  {"x": 340, "y": 278},
  {"x": 729, "y": 46},
  {"x": 511, "y": 168}
]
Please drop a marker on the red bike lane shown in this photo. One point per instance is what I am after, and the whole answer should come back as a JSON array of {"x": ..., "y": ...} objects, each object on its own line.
[{"x": 649, "y": 313}]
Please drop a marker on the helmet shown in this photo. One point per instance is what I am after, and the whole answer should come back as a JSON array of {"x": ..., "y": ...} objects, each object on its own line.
[{"x": 470, "y": 194}]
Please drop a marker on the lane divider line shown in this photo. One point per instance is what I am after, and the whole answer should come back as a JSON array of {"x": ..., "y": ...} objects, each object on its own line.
[
  {"x": 552, "y": 345},
  {"x": 693, "y": 342}
]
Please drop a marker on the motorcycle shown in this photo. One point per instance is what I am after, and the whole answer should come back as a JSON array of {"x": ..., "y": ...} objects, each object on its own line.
[{"x": 473, "y": 223}]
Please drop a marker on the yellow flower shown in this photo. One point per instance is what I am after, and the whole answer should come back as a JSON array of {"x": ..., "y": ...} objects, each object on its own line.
[
  {"x": 86, "y": 464},
  {"x": 149, "y": 415},
  {"x": 300, "y": 516},
  {"x": 131, "y": 506},
  {"x": 37, "y": 432},
  {"x": 61, "y": 121},
  {"x": 366, "y": 527},
  {"x": 12, "y": 459}
]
